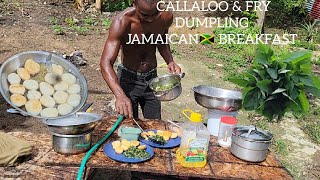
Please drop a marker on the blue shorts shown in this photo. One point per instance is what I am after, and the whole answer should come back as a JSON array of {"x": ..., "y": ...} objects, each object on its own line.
[{"x": 136, "y": 87}]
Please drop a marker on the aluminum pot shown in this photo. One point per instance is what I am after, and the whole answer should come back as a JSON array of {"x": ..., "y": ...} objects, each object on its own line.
[
  {"x": 71, "y": 144},
  {"x": 217, "y": 98},
  {"x": 18, "y": 60},
  {"x": 78, "y": 123},
  {"x": 173, "y": 80},
  {"x": 250, "y": 143}
]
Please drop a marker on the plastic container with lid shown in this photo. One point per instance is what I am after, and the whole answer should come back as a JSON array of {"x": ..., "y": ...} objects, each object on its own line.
[
  {"x": 225, "y": 130},
  {"x": 194, "y": 141}
]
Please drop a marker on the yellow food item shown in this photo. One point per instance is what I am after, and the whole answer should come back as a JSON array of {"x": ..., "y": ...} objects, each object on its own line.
[
  {"x": 167, "y": 133},
  {"x": 166, "y": 138},
  {"x": 116, "y": 144},
  {"x": 124, "y": 147},
  {"x": 151, "y": 133},
  {"x": 32, "y": 67},
  {"x": 159, "y": 132},
  {"x": 18, "y": 100},
  {"x": 174, "y": 135},
  {"x": 144, "y": 135},
  {"x": 125, "y": 142},
  {"x": 135, "y": 143},
  {"x": 118, "y": 150},
  {"x": 177, "y": 130},
  {"x": 143, "y": 147},
  {"x": 23, "y": 73}
]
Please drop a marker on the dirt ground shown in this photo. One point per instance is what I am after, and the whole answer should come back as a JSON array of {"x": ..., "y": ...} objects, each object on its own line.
[{"x": 24, "y": 26}]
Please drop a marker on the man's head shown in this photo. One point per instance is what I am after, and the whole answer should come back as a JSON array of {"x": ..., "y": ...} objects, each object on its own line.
[{"x": 147, "y": 10}]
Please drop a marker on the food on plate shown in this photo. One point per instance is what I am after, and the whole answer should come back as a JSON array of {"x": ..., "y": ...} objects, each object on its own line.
[
  {"x": 57, "y": 69},
  {"x": 74, "y": 100},
  {"x": 74, "y": 89},
  {"x": 130, "y": 149},
  {"x": 174, "y": 135},
  {"x": 52, "y": 78},
  {"x": 142, "y": 147},
  {"x": 118, "y": 150},
  {"x": 14, "y": 78},
  {"x": 116, "y": 144},
  {"x": 46, "y": 89},
  {"x": 17, "y": 89},
  {"x": 32, "y": 67},
  {"x": 31, "y": 84},
  {"x": 151, "y": 133},
  {"x": 176, "y": 130},
  {"x": 33, "y": 106},
  {"x": 60, "y": 97},
  {"x": 49, "y": 112},
  {"x": 23, "y": 74},
  {"x": 69, "y": 78},
  {"x": 33, "y": 94},
  {"x": 47, "y": 101},
  {"x": 160, "y": 137},
  {"x": 61, "y": 86},
  {"x": 64, "y": 109},
  {"x": 18, "y": 100}
]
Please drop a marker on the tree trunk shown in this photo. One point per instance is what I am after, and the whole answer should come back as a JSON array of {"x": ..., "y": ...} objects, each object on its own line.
[
  {"x": 261, "y": 16},
  {"x": 98, "y": 5}
]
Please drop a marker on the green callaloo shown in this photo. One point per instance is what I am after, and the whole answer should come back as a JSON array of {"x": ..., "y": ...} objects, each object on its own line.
[{"x": 274, "y": 85}]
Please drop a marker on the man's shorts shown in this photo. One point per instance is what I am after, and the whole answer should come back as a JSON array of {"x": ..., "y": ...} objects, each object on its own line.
[{"x": 136, "y": 87}]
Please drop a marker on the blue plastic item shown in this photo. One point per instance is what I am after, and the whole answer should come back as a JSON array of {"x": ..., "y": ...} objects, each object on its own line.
[
  {"x": 171, "y": 143},
  {"x": 109, "y": 151}
]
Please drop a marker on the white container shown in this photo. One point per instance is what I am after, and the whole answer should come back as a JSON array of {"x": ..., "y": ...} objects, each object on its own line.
[
  {"x": 214, "y": 118},
  {"x": 225, "y": 130}
]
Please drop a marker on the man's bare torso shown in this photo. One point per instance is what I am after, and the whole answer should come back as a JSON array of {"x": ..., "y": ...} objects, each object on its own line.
[{"x": 140, "y": 57}]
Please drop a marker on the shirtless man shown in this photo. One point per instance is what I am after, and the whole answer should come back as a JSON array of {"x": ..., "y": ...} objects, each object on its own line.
[{"x": 139, "y": 61}]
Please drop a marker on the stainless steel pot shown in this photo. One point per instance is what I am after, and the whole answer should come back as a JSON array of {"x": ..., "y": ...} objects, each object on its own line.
[
  {"x": 168, "y": 79},
  {"x": 18, "y": 60},
  {"x": 71, "y": 144},
  {"x": 217, "y": 98},
  {"x": 250, "y": 143},
  {"x": 78, "y": 123}
]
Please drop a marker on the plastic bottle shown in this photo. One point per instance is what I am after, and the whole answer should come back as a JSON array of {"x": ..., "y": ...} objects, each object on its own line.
[
  {"x": 225, "y": 131},
  {"x": 194, "y": 142}
]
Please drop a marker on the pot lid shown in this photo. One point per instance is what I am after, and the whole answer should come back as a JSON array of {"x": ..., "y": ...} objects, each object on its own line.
[
  {"x": 252, "y": 133},
  {"x": 78, "y": 118}
]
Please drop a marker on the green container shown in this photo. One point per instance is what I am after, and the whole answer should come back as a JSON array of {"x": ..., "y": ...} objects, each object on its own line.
[{"x": 129, "y": 133}]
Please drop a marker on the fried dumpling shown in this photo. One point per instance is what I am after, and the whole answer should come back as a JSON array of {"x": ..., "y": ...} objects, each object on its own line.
[
  {"x": 49, "y": 112},
  {"x": 17, "y": 89},
  {"x": 64, "y": 109},
  {"x": 33, "y": 94},
  {"x": 51, "y": 78},
  {"x": 46, "y": 89},
  {"x": 18, "y": 100},
  {"x": 69, "y": 78},
  {"x": 61, "y": 86},
  {"x": 23, "y": 73},
  {"x": 32, "y": 67},
  {"x": 74, "y": 100},
  {"x": 60, "y": 97},
  {"x": 33, "y": 106},
  {"x": 57, "y": 69},
  {"x": 14, "y": 78},
  {"x": 74, "y": 89},
  {"x": 47, "y": 101},
  {"x": 31, "y": 84}
]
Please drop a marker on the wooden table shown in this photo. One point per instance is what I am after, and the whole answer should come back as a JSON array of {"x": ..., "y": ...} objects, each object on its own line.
[{"x": 46, "y": 163}]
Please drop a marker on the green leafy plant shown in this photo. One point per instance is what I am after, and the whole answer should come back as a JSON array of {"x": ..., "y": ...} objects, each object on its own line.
[
  {"x": 71, "y": 21},
  {"x": 281, "y": 147},
  {"x": 274, "y": 85},
  {"x": 88, "y": 21},
  {"x": 311, "y": 30},
  {"x": 53, "y": 20},
  {"x": 58, "y": 30},
  {"x": 81, "y": 30},
  {"x": 106, "y": 23},
  {"x": 117, "y": 5}
]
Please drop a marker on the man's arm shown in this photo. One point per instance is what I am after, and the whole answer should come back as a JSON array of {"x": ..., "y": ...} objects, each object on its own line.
[
  {"x": 164, "y": 49},
  {"x": 109, "y": 55}
]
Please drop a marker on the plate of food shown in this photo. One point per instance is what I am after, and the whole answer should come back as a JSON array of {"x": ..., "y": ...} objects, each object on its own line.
[
  {"x": 128, "y": 151},
  {"x": 160, "y": 139}
]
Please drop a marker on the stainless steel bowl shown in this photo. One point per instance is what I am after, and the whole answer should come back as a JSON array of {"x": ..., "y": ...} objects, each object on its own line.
[
  {"x": 71, "y": 144},
  {"x": 18, "y": 60},
  {"x": 168, "y": 79},
  {"x": 217, "y": 98},
  {"x": 79, "y": 123}
]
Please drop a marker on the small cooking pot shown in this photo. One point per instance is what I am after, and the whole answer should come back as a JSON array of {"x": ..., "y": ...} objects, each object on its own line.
[
  {"x": 173, "y": 81},
  {"x": 71, "y": 144},
  {"x": 250, "y": 143}
]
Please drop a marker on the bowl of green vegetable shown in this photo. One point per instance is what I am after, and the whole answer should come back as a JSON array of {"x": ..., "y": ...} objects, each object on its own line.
[{"x": 167, "y": 87}]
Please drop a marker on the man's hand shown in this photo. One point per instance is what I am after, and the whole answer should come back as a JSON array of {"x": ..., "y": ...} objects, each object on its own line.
[
  {"x": 123, "y": 106},
  {"x": 174, "y": 68}
]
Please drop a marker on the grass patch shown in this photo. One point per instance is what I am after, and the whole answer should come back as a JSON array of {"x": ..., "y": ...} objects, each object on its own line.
[{"x": 281, "y": 147}]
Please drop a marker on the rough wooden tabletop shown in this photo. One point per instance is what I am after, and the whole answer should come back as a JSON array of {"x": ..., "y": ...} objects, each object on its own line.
[{"x": 45, "y": 163}]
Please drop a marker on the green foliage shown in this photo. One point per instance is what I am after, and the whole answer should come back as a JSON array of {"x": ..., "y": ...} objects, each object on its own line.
[
  {"x": 53, "y": 20},
  {"x": 88, "y": 21},
  {"x": 71, "y": 21},
  {"x": 292, "y": 7},
  {"x": 117, "y": 5},
  {"x": 106, "y": 23},
  {"x": 81, "y": 30},
  {"x": 274, "y": 85},
  {"x": 281, "y": 147},
  {"x": 311, "y": 30},
  {"x": 304, "y": 44},
  {"x": 58, "y": 30},
  {"x": 251, "y": 15}
]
